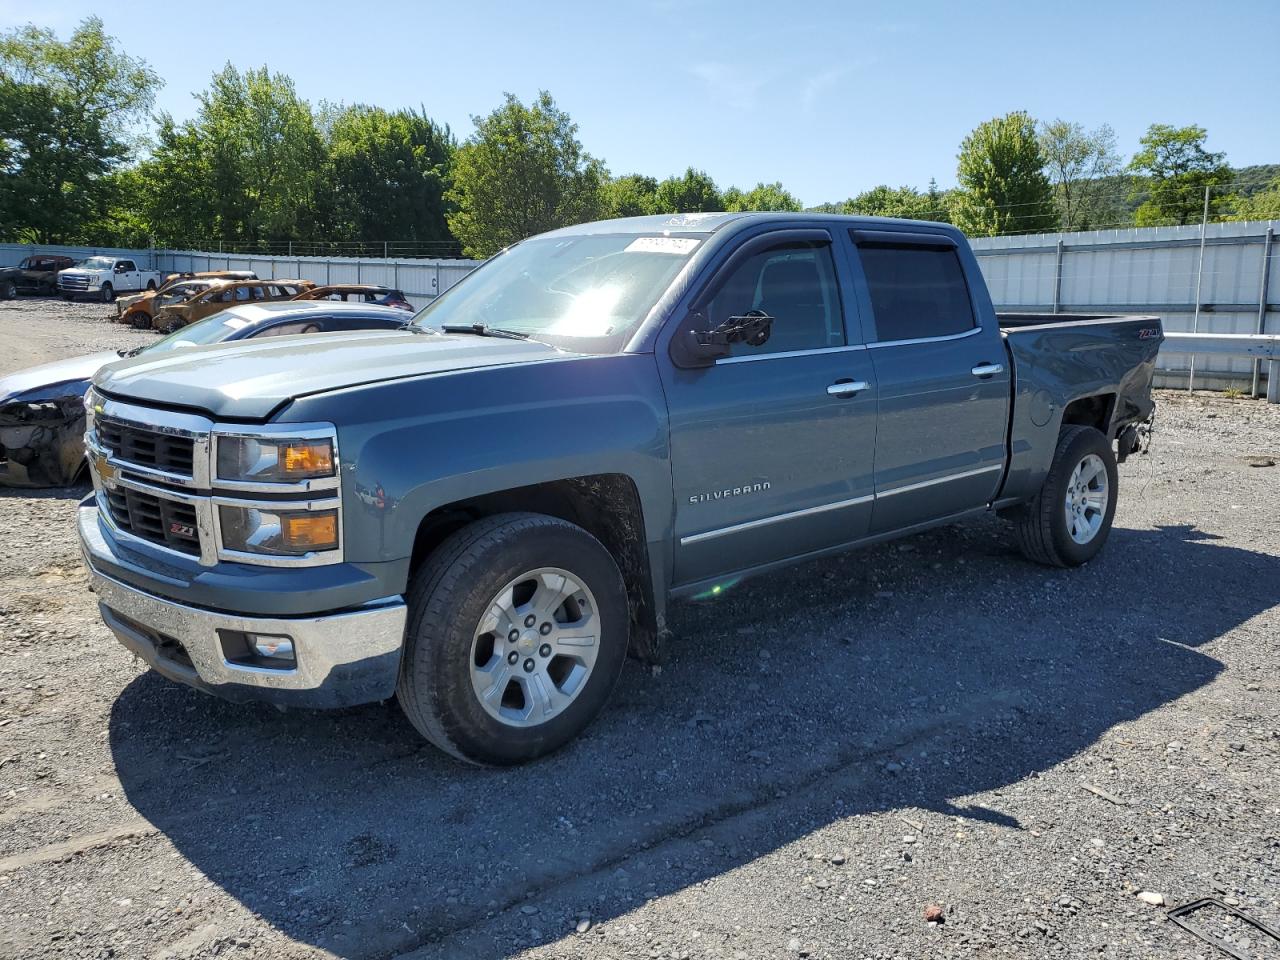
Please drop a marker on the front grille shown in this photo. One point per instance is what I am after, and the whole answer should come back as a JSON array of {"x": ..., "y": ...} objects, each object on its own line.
[
  {"x": 169, "y": 523},
  {"x": 147, "y": 448},
  {"x": 73, "y": 283}
]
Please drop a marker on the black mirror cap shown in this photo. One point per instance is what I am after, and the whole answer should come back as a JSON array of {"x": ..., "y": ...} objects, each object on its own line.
[{"x": 689, "y": 347}]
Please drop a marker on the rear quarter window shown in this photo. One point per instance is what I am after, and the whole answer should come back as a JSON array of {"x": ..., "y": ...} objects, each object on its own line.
[{"x": 917, "y": 292}]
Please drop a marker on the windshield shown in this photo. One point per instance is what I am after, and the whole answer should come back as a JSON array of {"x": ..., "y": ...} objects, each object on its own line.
[
  {"x": 181, "y": 292},
  {"x": 98, "y": 263},
  {"x": 589, "y": 293},
  {"x": 221, "y": 326}
]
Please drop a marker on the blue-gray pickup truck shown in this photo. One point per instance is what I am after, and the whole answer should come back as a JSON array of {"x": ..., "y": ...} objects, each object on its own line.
[{"x": 481, "y": 513}]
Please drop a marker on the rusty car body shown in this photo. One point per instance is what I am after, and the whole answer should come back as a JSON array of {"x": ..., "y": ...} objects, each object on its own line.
[
  {"x": 358, "y": 293},
  {"x": 139, "y": 309},
  {"x": 35, "y": 274},
  {"x": 223, "y": 294}
]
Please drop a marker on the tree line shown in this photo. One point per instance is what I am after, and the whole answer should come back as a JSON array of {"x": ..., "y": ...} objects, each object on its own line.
[{"x": 257, "y": 165}]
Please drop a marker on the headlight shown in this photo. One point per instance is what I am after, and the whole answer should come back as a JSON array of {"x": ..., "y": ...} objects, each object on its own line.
[
  {"x": 281, "y": 533},
  {"x": 260, "y": 460},
  {"x": 92, "y": 407}
]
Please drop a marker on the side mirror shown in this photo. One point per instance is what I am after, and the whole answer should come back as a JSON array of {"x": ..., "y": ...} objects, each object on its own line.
[{"x": 695, "y": 346}]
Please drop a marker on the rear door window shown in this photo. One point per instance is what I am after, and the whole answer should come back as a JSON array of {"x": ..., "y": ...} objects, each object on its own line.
[{"x": 917, "y": 292}]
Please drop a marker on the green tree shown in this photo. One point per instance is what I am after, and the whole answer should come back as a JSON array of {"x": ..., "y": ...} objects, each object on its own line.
[
  {"x": 1003, "y": 187},
  {"x": 386, "y": 175},
  {"x": 246, "y": 169},
  {"x": 693, "y": 192},
  {"x": 67, "y": 110},
  {"x": 1264, "y": 205},
  {"x": 905, "y": 202},
  {"x": 522, "y": 172},
  {"x": 176, "y": 195},
  {"x": 763, "y": 196},
  {"x": 1177, "y": 169},
  {"x": 1077, "y": 160},
  {"x": 634, "y": 195}
]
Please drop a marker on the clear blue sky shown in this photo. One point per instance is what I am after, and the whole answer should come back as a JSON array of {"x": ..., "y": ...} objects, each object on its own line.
[{"x": 831, "y": 98}]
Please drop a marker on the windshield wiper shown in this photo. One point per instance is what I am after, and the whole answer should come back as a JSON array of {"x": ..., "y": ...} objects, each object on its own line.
[{"x": 483, "y": 330}]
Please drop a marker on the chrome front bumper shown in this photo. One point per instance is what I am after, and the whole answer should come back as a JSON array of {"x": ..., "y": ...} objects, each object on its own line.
[{"x": 342, "y": 659}]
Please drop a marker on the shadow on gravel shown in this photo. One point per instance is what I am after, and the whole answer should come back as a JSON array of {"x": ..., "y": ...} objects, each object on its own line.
[{"x": 345, "y": 831}]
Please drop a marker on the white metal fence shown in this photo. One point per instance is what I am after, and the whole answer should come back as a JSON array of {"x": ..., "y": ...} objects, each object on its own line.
[
  {"x": 1233, "y": 275},
  {"x": 421, "y": 280}
]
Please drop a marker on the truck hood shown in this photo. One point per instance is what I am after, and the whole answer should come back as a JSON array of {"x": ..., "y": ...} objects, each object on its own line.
[
  {"x": 249, "y": 379},
  {"x": 73, "y": 369}
]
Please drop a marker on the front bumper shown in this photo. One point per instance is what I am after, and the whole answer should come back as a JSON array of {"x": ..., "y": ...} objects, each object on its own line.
[{"x": 343, "y": 658}]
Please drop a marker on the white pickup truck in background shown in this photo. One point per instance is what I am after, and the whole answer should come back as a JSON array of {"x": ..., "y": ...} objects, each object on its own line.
[{"x": 104, "y": 277}]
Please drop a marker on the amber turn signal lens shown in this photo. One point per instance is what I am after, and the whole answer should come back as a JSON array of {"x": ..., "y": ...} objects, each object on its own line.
[
  {"x": 311, "y": 531},
  {"x": 308, "y": 459}
]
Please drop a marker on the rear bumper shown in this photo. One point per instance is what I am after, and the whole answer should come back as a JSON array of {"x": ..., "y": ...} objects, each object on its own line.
[{"x": 342, "y": 658}]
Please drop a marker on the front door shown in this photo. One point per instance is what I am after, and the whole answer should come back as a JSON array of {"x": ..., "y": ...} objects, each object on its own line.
[
  {"x": 771, "y": 448},
  {"x": 943, "y": 382}
]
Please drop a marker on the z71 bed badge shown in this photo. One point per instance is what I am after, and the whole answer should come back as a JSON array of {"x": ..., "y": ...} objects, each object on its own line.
[{"x": 729, "y": 492}]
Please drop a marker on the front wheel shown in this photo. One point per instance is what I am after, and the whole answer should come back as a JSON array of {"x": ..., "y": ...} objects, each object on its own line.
[
  {"x": 517, "y": 633},
  {"x": 9, "y": 291},
  {"x": 1068, "y": 521},
  {"x": 108, "y": 293}
]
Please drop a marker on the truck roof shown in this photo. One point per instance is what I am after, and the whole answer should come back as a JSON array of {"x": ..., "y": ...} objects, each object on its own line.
[{"x": 708, "y": 223}]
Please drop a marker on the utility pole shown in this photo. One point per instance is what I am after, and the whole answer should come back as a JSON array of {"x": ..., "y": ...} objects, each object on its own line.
[{"x": 1195, "y": 320}]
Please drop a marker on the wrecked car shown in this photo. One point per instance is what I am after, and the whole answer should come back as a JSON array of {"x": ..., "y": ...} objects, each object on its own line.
[
  {"x": 223, "y": 294},
  {"x": 42, "y": 409},
  {"x": 36, "y": 274},
  {"x": 139, "y": 309},
  {"x": 358, "y": 293}
]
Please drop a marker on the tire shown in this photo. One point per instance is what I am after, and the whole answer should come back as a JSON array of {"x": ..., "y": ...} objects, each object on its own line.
[
  {"x": 68, "y": 297},
  {"x": 459, "y": 587},
  {"x": 9, "y": 290},
  {"x": 1044, "y": 530},
  {"x": 108, "y": 293},
  {"x": 138, "y": 319},
  {"x": 151, "y": 285}
]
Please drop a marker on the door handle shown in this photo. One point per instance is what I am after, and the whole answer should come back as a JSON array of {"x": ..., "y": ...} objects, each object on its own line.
[
  {"x": 987, "y": 369},
  {"x": 847, "y": 388}
]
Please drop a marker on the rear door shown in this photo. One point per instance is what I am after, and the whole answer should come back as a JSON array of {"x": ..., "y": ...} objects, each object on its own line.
[
  {"x": 127, "y": 276},
  {"x": 942, "y": 376},
  {"x": 771, "y": 447}
]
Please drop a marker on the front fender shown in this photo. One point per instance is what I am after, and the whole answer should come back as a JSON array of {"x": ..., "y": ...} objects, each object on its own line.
[{"x": 408, "y": 447}]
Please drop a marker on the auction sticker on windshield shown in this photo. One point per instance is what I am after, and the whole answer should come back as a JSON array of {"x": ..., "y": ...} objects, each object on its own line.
[{"x": 674, "y": 245}]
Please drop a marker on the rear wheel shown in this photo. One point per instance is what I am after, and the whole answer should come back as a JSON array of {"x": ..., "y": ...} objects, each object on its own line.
[
  {"x": 151, "y": 285},
  {"x": 517, "y": 634},
  {"x": 108, "y": 293},
  {"x": 1068, "y": 521}
]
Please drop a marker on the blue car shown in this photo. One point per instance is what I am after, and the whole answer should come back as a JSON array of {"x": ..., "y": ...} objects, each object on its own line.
[{"x": 42, "y": 411}]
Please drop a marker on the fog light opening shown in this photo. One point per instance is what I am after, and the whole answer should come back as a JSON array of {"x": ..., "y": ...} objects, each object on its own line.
[{"x": 266, "y": 650}]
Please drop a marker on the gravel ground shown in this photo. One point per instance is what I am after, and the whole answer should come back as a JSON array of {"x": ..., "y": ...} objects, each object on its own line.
[{"x": 827, "y": 753}]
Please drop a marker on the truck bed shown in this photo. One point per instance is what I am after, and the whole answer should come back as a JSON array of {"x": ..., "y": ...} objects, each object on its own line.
[
  {"x": 1073, "y": 368},
  {"x": 1014, "y": 321}
]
